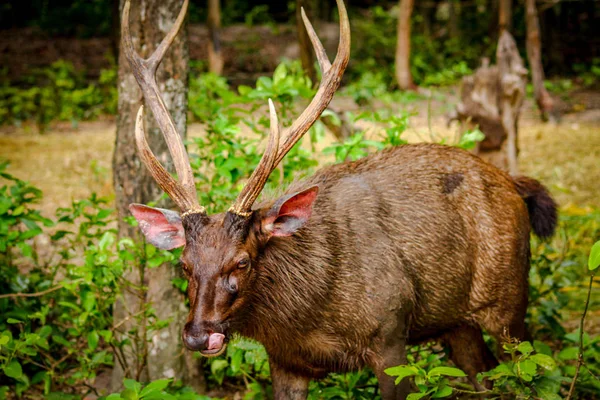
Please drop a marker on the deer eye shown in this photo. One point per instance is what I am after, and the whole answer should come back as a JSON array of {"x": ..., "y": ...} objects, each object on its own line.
[{"x": 243, "y": 263}]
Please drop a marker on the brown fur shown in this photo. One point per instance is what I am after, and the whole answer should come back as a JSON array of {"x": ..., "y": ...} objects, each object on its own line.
[{"x": 414, "y": 243}]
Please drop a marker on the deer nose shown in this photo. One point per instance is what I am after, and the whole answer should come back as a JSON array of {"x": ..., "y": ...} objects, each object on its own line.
[{"x": 194, "y": 340}]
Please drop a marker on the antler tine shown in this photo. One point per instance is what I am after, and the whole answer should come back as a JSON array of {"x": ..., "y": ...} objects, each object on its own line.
[
  {"x": 256, "y": 183},
  {"x": 330, "y": 82},
  {"x": 158, "y": 172},
  {"x": 324, "y": 62},
  {"x": 144, "y": 70}
]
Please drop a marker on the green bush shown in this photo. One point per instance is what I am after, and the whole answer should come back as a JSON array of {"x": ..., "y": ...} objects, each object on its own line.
[{"x": 57, "y": 93}]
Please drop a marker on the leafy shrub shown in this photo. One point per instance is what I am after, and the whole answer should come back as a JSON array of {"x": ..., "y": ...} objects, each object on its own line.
[{"x": 57, "y": 93}]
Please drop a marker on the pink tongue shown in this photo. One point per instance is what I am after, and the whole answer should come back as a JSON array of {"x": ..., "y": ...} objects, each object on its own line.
[{"x": 215, "y": 341}]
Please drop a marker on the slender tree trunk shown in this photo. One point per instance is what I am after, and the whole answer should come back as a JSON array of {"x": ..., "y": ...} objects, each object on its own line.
[
  {"x": 428, "y": 11},
  {"x": 215, "y": 54},
  {"x": 403, "y": 75},
  {"x": 534, "y": 54},
  {"x": 307, "y": 56},
  {"x": 157, "y": 354},
  {"x": 453, "y": 19},
  {"x": 505, "y": 15},
  {"x": 115, "y": 28}
]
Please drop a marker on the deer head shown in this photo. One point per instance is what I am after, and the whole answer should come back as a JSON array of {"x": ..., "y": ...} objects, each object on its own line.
[{"x": 222, "y": 252}]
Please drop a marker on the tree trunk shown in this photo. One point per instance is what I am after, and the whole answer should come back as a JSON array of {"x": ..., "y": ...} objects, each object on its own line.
[
  {"x": 215, "y": 55},
  {"x": 513, "y": 79},
  {"x": 307, "y": 56},
  {"x": 534, "y": 54},
  {"x": 505, "y": 15},
  {"x": 492, "y": 99},
  {"x": 453, "y": 19},
  {"x": 157, "y": 354},
  {"x": 403, "y": 75}
]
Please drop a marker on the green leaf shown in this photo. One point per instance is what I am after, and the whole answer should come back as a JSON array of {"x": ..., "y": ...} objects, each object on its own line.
[
  {"x": 547, "y": 388},
  {"x": 13, "y": 321},
  {"x": 543, "y": 361},
  {"x": 446, "y": 371},
  {"x": 525, "y": 348},
  {"x": 155, "y": 387},
  {"x": 132, "y": 385},
  {"x": 594, "y": 260},
  {"x": 13, "y": 370},
  {"x": 570, "y": 353},
  {"x": 442, "y": 392},
  {"x": 218, "y": 365},
  {"x": 93, "y": 339},
  {"x": 401, "y": 372},
  {"x": 129, "y": 394},
  {"x": 526, "y": 369},
  {"x": 88, "y": 301},
  {"x": 416, "y": 396},
  {"x": 542, "y": 348}
]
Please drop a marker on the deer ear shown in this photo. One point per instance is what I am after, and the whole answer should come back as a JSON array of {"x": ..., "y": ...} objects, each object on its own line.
[
  {"x": 290, "y": 213},
  {"x": 161, "y": 227}
]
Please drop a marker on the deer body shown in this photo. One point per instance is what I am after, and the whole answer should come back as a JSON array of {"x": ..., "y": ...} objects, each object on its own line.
[
  {"x": 406, "y": 245},
  {"x": 340, "y": 272}
]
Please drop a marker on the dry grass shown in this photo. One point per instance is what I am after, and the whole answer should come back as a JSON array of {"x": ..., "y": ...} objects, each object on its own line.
[
  {"x": 66, "y": 164},
  {"x": 70, "y": 164}
]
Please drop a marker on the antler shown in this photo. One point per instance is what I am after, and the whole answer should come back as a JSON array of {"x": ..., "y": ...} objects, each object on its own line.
[
  {"x": 183, "y": 193},
  {"x": 330, "y": 81}
]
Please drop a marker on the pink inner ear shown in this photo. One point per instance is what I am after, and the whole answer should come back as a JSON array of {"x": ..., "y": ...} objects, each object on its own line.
[
  {"x": 162, "y": 228},
  {"x": 286, "y": 219},
  {"x": 299, "y": 206}
]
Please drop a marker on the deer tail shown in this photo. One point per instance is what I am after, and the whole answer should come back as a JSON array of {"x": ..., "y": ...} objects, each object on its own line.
[{"x": 542, "y": 207}]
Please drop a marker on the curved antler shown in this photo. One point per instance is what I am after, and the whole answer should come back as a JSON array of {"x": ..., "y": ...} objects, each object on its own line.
[
  {"x": 183, "y": 193},
  {"x": 330, "y": 82}
]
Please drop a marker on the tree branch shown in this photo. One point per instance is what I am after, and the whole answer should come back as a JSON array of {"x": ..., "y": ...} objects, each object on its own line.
[{"x": 36, "y": 294}]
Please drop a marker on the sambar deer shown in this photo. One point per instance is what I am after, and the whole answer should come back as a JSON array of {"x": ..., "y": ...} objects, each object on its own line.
[{"x": 347, "y": 267}]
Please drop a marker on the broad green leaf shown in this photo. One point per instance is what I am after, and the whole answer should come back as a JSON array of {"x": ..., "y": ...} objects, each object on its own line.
[
  {"x": 93, "y": 339},
  {"x": 594, "y": 260},
  {"x": 525, "y": 348},
  {"x": 543, "y": 361},
  {"x": 13, "y": 321},
  {"x": 155, "y": 387},
  {"x": 526, "y": 369},
  {"x": 129, "y": 394},
  {"x": 13, "y": 370},
  {"x": 401, "y": 372},
  {"x": 132, "y": 385},
  {"x": 442, "y": 392},
  {"x": 446, "y": 371},
  {"x": 542, "y": 348},
  {"x": 570, "y": 353},
  {"x": 547, "y": 388}
]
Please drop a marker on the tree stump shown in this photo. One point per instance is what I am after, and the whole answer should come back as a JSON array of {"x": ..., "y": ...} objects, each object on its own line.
[{"x": 492, "y": 98}]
